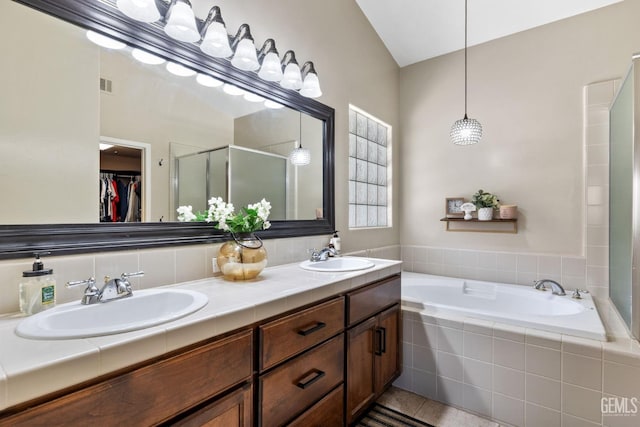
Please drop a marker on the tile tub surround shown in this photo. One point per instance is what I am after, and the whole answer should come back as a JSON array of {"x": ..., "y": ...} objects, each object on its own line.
[
  {"x": 518, "y": 376},
  {"x": 32, "y": 368}
]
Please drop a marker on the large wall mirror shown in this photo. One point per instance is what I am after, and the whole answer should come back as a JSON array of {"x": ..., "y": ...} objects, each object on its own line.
[{"x": 75, "y": 116}]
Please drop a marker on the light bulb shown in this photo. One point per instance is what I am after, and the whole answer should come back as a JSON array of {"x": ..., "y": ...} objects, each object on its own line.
[
  {"x": 208, "y": 81},
  {"x": 216, "y": 41},
  {"x": 140, "y": 10},
  {"x": 311, "y": 86},
  {"x": 146, "y": 57},
  {"x": 271, "y": 70},
  {"x": 245, "y": 57},
  {"x": 181, "y": 24},
  {"x": 105, "y": 41},
  {"x": 292, "y": 78},
  {"x": 179, "y": 70}
]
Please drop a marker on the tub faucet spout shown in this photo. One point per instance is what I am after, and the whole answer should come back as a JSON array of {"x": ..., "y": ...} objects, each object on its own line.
[{"x": 556, "y": 288}]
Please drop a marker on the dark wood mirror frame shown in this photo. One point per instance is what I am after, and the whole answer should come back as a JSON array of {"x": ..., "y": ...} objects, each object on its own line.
[{"x": 18, "y": 241}]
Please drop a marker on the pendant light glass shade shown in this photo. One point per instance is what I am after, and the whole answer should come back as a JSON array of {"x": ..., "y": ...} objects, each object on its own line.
[
  {"x": 271, "y": 70},
  {"x": 245, "y": 57},
  {"x": 216, "y": 41},
  {"x": 300, "y": 156},
  {"x": 105, "y": 41},
  {"x": 181, "y": 22},
  {"x": 466, "y": 131},
  {"x": 140, "y": 10}
]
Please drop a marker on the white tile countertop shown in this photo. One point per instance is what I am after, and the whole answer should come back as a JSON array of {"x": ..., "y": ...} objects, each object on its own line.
[{"x": 33, "y": 368}]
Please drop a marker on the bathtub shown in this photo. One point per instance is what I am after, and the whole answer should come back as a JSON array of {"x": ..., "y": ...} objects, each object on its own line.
[{"x": 512, "y": 304}]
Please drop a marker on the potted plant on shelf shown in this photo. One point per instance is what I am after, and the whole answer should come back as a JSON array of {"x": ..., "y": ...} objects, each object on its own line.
[
  {"x": 244, "y": 257},
  {"x": 486, "y": 203}
]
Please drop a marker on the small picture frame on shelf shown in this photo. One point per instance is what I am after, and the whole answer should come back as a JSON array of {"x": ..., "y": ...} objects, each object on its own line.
[{"x": 452, "y": 207}]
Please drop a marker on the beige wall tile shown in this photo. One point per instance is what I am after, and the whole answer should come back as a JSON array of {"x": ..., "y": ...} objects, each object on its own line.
[
  {"x": 543, "y": 391},
  {"x": 450, "y": 340},
  {"x": 508, "y": 353},
  {"x": 543, "y": 361},
  {"x": 476, "y": 400},
  {"x": 508, "y": 410},
  {"x": 425, "y": 334},
  {"x": 539, "y": 416},
  {"x": 509, "y": 382},
  {"x": 581, "y": 402},
  {"x": 509, "y": 332},
  {"x": 449, "y": 391},
  {"x": 424, "y": 384},
  {"x": 191, "y": 264},
  {"x": 621, "y": 380},
  {"x": 449, "y": 365},
  {"x": 582, "y": 371},
  {"x": 424, "y": 358},
  {"x": 570, "y": 421},
  {"x": 159, "y": 266},
  {"x": 477, "y": 373},
  {"x": 478, "y": 346}
]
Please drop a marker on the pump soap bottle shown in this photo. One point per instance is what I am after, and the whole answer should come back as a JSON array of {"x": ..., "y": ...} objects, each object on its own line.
[
  {"x": 37, "y": 289},
  {"x": 335, "y": 241}
]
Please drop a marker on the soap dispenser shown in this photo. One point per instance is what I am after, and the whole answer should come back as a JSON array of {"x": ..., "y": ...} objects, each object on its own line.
[
  {"x": 37, "y": 288},
  {"x": 335, "y": 241}
]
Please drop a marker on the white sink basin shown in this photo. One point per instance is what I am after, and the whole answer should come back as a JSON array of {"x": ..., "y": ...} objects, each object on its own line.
[
  {"x": 142, "y": 310},
  {"x": 338, "y": 264}
]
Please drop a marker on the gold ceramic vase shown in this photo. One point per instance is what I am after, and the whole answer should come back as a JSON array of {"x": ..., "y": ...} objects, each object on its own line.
[{"x": 242, "y": 258}]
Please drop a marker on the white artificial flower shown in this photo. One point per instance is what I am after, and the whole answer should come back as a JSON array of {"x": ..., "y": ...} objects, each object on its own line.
[{"x": 185, "y": 213}]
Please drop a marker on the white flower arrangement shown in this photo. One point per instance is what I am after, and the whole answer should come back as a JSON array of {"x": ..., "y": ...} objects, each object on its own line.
[{"x": 252, "y": 218}]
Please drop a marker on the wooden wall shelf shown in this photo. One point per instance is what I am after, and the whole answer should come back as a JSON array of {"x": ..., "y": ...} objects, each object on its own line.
[{"x": 513, "y": 222}]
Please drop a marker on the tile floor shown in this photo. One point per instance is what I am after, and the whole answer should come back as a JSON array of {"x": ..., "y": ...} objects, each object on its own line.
[{"x": 430, "y": 411}]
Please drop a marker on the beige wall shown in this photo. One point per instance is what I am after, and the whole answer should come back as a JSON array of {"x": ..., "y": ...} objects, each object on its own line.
[
  {"x": 353, "y": 66},
  {"x": 527, "y": 91},
  {"x": 41, "y": 140}
]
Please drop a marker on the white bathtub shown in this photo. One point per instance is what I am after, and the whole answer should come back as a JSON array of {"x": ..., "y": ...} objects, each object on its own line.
[{"x": 513, "y": 304}]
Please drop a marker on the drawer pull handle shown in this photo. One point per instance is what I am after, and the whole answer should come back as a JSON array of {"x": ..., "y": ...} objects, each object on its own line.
[
  {"x": 381, "y": 338},
  {"x": 310, "y": 378},
  {"x": 312, "y": 329}
]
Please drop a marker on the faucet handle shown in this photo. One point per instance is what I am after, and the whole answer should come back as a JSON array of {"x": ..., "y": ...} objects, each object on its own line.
[
  {"x": 576, "y": 294},
  {"x": 539, "y": 285},
  {"x": 136, "y": 274},
  {"x": 90, "y": 282}
]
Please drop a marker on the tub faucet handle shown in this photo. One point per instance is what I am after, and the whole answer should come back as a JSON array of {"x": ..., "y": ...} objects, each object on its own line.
[{"x": 576, "y": 294}]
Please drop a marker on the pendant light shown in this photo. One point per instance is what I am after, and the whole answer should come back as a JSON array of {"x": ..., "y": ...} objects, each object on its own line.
[
  {"x": 300, "y": 156},
  {"x": 466, "y": 131}
]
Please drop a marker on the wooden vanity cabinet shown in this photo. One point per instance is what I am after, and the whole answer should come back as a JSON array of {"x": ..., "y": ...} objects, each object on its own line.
[
  {"x": 157, "y": 392},
  {"x": 302, "y": 367},
  {"x": 373, "y": 343}
]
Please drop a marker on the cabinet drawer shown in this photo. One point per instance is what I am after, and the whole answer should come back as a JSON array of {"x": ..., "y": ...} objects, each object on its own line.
[
  {"x": 153, "y": 393},
  {"x": 291, "y": 388},
  {"x": 373, "y": 298},
  {"x": 293, "y": 334},
  {"x": 328, "y": 412}
]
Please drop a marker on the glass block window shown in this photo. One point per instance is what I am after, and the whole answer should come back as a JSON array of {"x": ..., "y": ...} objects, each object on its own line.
[{"x": 369, "y": 170}]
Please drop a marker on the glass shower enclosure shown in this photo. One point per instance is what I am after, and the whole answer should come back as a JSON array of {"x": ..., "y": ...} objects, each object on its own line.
[
  {"x": 624, "y": 199},
  {"x": 237, "y": 174}
]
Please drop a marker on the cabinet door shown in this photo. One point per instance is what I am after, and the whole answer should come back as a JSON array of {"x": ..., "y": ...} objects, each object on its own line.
[
  {"x": 360, "y": 368},
  {"x": 233, "y": 410},
  {"x": 387, "y": 348},
  {"x": 329, "y": 412}
]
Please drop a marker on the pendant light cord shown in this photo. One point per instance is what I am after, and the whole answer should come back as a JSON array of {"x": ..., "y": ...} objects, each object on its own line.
[{"x": 465, "y": 59}]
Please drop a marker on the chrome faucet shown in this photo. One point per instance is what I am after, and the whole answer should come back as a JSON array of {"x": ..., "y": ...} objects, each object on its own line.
[
  {"x": 111, "y": 290},
  {"x": 556, "y": 288},
  {"x": 323, "y": 254}
]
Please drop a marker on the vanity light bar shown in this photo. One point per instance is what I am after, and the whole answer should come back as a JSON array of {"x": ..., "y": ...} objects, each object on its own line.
[{"x": 211, "y": 34}]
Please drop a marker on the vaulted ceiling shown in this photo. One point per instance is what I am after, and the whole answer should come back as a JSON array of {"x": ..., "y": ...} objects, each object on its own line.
[{"x": 415, "y": 30}]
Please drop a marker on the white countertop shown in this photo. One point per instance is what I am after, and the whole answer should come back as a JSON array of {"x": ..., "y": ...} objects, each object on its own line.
[{"x": 32, "y": 368}]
